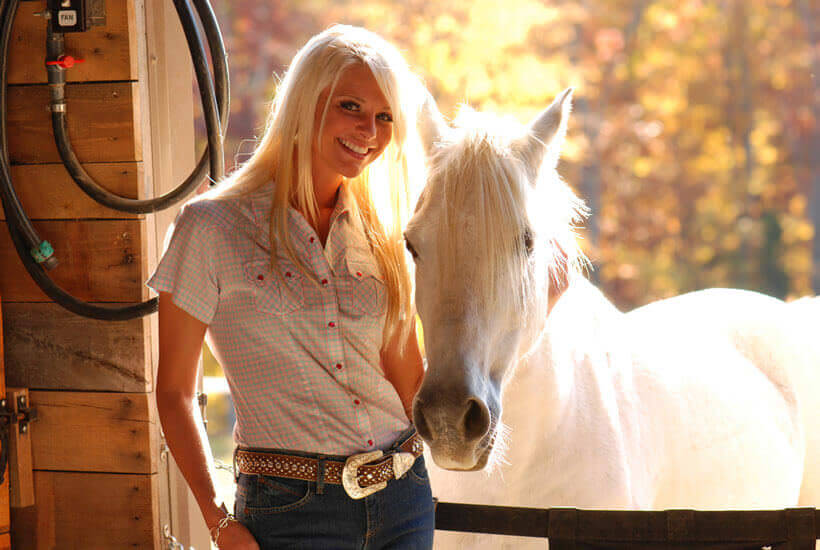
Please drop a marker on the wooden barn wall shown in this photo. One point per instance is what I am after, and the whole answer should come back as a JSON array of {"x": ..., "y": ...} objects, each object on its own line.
[{"x": 96, "y": 445}]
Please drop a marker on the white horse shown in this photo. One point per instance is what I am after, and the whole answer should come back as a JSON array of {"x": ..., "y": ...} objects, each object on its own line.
[{"x": 710, "y": 400}]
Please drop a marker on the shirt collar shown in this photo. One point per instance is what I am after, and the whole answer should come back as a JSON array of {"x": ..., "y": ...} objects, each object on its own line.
[
  {"x": 262, "y": 201},
  {"x": 345, "y": 206}
]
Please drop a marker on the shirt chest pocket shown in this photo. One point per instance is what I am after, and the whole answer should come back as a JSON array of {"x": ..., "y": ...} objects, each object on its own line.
[
  {"x": 361, "y": 286},
  {"x": 279, "y": 292}
]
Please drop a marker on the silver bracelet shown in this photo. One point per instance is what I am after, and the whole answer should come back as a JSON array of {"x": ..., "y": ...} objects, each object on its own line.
[{"x": 221, "y": 525}]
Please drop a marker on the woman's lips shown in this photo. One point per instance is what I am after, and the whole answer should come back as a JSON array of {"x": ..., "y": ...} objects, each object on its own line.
[{"x": 348, "y": 147}]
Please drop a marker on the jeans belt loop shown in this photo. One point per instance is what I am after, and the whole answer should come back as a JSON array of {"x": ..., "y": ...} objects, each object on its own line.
[
  {"x": 320, "y": 477},
  {"x": 235, "y": 469}
]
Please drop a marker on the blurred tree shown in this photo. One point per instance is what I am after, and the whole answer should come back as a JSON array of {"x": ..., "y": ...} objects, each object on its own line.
[{"x": 695, "y": 134}]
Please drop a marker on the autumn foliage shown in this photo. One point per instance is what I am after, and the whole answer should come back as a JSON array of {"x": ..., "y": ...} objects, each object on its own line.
[{"x": 694, "y": 136}]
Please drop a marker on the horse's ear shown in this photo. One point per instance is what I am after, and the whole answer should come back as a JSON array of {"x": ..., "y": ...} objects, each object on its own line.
[
  {"x": 545, "y": 134},
  {"x": 432, "y": 126}
]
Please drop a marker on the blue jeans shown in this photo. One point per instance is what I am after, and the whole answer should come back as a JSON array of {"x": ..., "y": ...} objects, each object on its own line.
[{"x": 290, "y": 513}]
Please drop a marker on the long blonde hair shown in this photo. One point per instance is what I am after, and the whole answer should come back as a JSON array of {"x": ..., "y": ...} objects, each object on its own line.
[{"x": 385, "y": 191}]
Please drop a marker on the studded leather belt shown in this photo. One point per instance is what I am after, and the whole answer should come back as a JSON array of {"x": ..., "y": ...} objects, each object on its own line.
[{"x": 360, "y": 475}]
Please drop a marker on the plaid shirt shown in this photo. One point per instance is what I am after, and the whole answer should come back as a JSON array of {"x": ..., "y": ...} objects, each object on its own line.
[{"x": 302, "y": 360}]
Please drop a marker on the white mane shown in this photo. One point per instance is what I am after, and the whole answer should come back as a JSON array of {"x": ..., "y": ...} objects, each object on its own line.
[{"x": 490, "y": 200}]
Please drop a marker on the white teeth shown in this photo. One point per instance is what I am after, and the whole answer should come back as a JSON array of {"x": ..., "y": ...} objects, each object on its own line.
[{"x": 353, "y": 147}]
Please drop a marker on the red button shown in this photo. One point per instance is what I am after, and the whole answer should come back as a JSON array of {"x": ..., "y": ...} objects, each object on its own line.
[
  {"x": 324, "y": 281},
  {"x": 370, "y": 442},
  {"x": 260, "y": 277},
  {"x": 358, "y": 274},
  {"x": 287, "y": 274},
  {"x": 357, "y": 402},
  {"x": 312, "y": 239},
  {"x": 331, "y": 324},
  {"x": 339, "y": 366}
]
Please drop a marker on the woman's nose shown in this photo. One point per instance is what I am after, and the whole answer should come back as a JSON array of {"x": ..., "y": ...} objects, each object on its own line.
[{"x": 367, "y": 126}]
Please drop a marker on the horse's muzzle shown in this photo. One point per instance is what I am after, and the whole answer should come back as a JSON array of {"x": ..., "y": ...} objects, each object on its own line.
[{"x": 455, "y": 426}]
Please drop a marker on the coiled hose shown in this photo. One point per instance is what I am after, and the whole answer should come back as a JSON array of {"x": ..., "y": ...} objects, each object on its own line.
[{"x": 35, "y": 253}]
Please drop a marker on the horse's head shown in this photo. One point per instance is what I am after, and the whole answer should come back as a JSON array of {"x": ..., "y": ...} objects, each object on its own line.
[{"x": 493, "y": 225}]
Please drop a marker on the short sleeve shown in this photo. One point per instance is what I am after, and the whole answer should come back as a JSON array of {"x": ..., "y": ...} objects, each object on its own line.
[{"x": 186, "y": 269}]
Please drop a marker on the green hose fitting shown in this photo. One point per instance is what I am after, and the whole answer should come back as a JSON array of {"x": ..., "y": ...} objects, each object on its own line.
[{"x": 42, "y": 252}]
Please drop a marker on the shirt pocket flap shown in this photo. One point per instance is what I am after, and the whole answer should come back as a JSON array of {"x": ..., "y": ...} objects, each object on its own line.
[
  {"x": 361, "y": 265},
  {"x": 361, "y": 289},
  {"x": 278, "y": 292}
]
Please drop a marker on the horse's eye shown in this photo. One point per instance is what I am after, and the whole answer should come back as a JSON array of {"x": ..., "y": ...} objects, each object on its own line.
[
  {"x": 528, "y": 245},
  {"x": 410, "y": 249}
]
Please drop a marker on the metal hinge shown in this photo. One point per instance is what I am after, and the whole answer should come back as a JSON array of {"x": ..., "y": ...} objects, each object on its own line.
[
  {"x": 21, "y": 414},
  {"x": 18, "y": 413}
]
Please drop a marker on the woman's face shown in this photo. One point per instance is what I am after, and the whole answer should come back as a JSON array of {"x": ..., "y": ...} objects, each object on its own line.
[{"x": 357, "y": 127}]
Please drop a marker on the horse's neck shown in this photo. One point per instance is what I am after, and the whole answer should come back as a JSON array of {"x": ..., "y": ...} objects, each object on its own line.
[
  {"x": 581, "y": 328},
  {"x": 580, "y": 319}
]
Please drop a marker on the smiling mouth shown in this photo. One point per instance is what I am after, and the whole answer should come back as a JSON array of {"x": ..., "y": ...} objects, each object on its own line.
[{"x": 353, "y": 149}]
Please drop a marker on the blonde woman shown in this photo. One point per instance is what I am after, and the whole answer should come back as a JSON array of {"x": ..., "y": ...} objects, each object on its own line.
[{"x": 294, "y": 270}]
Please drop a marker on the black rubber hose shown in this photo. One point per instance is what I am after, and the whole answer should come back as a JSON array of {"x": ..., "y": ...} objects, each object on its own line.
[
  {"x": 66, "y": 300},
  {"x": 214, "y": 107},
  {"x": 219, "y": 59},
  {"x": 35, "y": 247},
  {"x": 16, "y": 218}
]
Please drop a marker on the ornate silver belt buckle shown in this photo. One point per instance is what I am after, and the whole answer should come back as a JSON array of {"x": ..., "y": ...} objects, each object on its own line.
[
  {"x": 350, "y": 479},
  {"x": 401, "y": 463}
]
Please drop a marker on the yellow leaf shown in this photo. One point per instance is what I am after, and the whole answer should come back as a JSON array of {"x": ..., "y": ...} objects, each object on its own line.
[{"x": 704, "y": 254}]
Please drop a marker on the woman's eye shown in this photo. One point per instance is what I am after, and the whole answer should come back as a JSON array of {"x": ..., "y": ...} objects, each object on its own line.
[
  {"x": 349, "y": 105},
  {"x": 385, "y": 117}
]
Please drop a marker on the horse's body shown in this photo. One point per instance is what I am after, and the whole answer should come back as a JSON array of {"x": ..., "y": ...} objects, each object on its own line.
[
  {"x": 710, "y": 400},
  {"x": 670, "y": 408}
]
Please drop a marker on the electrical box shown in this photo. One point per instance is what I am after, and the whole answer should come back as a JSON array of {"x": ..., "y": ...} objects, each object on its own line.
[{"x": 76, "y": 15}]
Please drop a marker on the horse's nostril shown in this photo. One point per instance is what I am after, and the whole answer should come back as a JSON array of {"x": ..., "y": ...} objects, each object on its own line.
[
  {"x": 476, "y": 420},
  {"x": 421, "y": 423}
]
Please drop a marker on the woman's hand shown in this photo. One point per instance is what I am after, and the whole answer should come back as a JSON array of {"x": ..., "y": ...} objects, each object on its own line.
[{"x": 235, "y": 536}]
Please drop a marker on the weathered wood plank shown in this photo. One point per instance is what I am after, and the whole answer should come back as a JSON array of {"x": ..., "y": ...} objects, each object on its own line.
[
  {"x": 95, "y": 432},
  {"x": 100, "y": 260},
  {"x": 47, "y": 191},
  {"x": 49, "y": 347},
  {"x": 101, "y": 123},
  {"x": 5, "y": 518},
  {"x": 109, "y": 51},
  {"x": 89, "y": 511}
]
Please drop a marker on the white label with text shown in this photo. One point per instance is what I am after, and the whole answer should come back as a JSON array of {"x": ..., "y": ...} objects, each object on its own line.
[{"x": 67, "y": 18}]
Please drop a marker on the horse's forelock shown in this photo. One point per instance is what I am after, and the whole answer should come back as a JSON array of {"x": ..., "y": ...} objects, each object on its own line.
[
  {"x": 488, "y": 205},
  {"x": 484, "y": 218}
]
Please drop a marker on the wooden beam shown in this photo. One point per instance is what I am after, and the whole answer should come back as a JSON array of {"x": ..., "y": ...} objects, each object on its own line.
[
  {"x": 169, "y": 158},
  {"x": 99, "y": 260},
  {"x": 5, "y": 518},
  {"x": 21, "y": 481},
  {"x": 109, "y": 51},
  {"x": 94, "y": 432},
  {"x": 47, "y": 191},
  {"x": 49, "y": 347},
  {"x": 101, "y": 121},
  {"x": 90, "y": 511}
]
